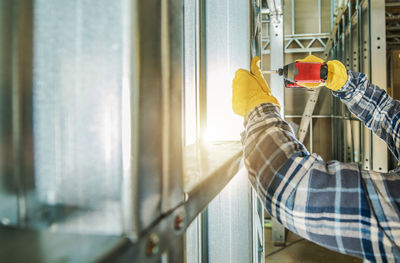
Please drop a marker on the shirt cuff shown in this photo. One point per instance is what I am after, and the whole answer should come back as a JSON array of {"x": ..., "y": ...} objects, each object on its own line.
[
  {"x": 347, "y": 90},
  {"x": 261, "y": 111}
]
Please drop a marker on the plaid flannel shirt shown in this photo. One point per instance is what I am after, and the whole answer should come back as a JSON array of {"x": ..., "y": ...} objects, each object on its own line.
[{"x": 337, "y": 205}]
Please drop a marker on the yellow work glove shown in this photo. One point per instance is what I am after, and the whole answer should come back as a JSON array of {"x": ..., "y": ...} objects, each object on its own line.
[
  {"x": 337, "y": 74},
  {"x": 250, "y": 89}
]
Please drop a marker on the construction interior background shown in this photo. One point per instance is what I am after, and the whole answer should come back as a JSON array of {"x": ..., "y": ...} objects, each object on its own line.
[{"x": 118, "y": 142}]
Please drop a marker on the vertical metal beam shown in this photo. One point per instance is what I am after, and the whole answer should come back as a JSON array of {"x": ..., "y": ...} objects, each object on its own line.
[
  {"x": 293, "y": 18},
  {"x": 202, "y": 78},
  {"x": 171, "y": 91},
  {"x": 204, "y": 237},
  {"x": 277, "y": 54},
  {"x": 148, "y": 188},
  {"x": 319, "y": 16},
  {"x": 365, "y": 68},
  {"x": 311, "y": 136},
  {"x": 258, "y": 229},
  {"x": 356, "y": 127},
  {"x": 343, "y": 33},
  {"x": 277, "y": 84},
  {"x": 332, "y": 2},
  {"x": 200, "y": 44},
  {"x": 160, "y": 34},
  {"x": 130, "y": 105},
  {"x": 9, "y": 194},
  {"x": 378, "y": 74},
  {"x": 355, "y": 66},
  {"x": 166, "y": 98},
  {"x": 359, "y": 35},
  {"x": 22, "y": 119},
  {"x": 350, "y": 39}
]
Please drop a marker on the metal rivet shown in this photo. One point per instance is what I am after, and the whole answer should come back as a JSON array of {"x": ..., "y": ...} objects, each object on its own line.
[
  {"x": 178, "y": 224},
  {"x": 152, "y": 246}
]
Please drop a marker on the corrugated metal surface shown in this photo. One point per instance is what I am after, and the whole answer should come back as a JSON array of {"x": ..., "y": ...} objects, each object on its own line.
[
  {"x": 227, "y": 50},
  {"x": 229, "y": 222},
  {"x": 77, "y": 97}
]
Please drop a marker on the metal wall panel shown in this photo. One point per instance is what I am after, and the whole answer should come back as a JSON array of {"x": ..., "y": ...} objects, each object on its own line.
[
  {"x": 224, "y": 29},
  {"x": 258, "y": 228},
  {"x": 228, "y": 48},
  {"x": 295, "y": 100},
  {"x": 227, "y": 45},
  {"x": 77, "y": 96},
  {"x": 193, "y": 242},
  {"x": 190, "y": 91},
  {"x": 322, "y": 132},
  {"x": 305, "y": 14},
  {"x": 229, "y": 222}
]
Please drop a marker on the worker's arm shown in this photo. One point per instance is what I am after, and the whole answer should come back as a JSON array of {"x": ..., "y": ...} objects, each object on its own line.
[
  {"x": 369, "y": 103},
  {"x": 374, "y": 107},
  {"x": 336, "y": 205},
  {"x": 333, "y": 204}
]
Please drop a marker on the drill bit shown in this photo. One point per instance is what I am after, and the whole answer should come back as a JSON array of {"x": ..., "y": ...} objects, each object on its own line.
[{"x": 270, "y": 72}]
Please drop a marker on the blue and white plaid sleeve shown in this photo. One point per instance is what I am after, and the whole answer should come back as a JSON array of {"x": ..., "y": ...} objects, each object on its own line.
[
  {"x": 336, "y": 205},
  {"x": 374, "y": 107}
]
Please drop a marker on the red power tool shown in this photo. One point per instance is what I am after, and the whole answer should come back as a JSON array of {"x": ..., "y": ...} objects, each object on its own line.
[{"x": 302, "y": 72}]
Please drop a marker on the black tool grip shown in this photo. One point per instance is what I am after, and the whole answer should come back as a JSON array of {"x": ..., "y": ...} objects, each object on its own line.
[{"x": 324, "y": 72}]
